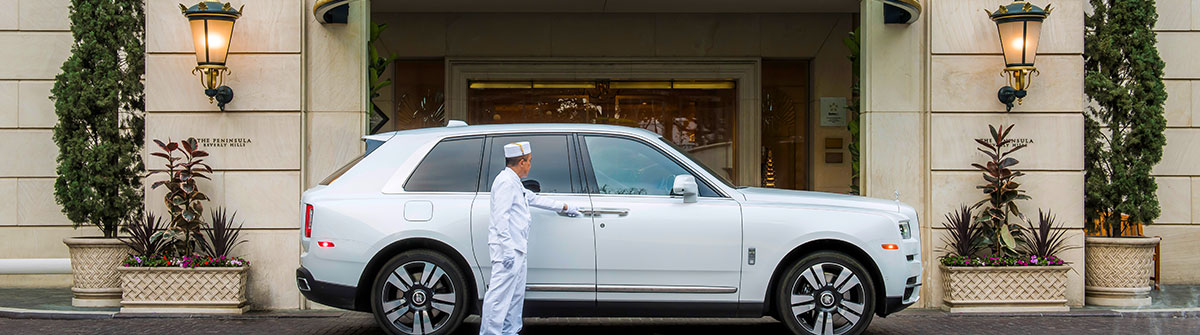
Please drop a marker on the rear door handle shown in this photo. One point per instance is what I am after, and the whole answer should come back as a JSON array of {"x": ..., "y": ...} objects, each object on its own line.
[{"x": 598, "y": 211}]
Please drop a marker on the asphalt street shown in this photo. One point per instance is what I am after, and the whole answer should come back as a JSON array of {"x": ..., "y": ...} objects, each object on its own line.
[{"x": 358, "y": 323}]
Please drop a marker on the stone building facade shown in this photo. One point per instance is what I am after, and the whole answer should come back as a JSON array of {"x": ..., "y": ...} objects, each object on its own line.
[{"x": 301, "y": 103}]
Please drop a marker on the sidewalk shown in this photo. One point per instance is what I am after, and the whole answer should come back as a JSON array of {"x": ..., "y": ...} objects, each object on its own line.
[{"x": 55, "y": 303}]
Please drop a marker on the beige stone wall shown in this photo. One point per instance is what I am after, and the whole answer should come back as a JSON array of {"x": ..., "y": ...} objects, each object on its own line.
[
  {"x": 299, "y": 97},
  {"x": 817, "y": 37},
  {"x": 263, "y": 179},
  {"x": 1178, "y": 175},
  {"x": 31, "y": 223},
  {"x": 931, "y": 90}
]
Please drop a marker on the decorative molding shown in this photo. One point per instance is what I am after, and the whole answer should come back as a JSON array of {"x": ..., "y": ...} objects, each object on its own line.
[
  {"x": 332, "y": 11},
  {"x": 901, "y": 11}
]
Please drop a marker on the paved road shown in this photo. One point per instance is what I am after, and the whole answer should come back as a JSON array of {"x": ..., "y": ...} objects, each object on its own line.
[{"x": 357, "y": 323}]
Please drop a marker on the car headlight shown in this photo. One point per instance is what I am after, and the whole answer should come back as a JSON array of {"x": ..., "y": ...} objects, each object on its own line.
[{"x": 905, "y": 230}]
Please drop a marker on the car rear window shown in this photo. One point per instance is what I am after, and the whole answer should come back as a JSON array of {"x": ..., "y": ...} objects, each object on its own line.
[
  {"x": 371, "y": 146},
  {"x": 452, "y": 166}
]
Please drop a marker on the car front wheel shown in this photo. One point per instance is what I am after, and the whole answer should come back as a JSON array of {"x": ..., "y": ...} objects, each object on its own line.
[
  {"x": 419, "y": 292},
  {"x": 826, "y": 293}
]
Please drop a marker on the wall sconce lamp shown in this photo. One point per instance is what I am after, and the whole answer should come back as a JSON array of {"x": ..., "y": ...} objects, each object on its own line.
[
  {"x": 212, "y": 30},
  {"x": 1019, "y": 24}
]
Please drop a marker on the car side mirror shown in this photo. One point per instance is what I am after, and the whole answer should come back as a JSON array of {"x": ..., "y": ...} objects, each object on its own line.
[{"x": 685, "y": 185}]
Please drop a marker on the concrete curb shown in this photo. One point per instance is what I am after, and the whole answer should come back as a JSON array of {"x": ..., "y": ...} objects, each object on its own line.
[
  {"x": 1193, "y": 312},
  {"x": 248, "y": 315},
  {"x": 21, "y": 313}
]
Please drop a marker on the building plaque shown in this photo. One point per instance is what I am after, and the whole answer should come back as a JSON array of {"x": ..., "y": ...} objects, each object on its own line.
[{"x": 833, "y": 111}]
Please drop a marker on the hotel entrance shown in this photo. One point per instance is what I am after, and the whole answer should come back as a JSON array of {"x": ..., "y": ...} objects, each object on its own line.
[
  {"x": 696, "y": 116},
  {"x": 750, "y": 128}
]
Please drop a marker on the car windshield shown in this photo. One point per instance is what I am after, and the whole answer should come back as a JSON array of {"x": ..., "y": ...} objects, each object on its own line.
[{"x": 694, "y": 160}]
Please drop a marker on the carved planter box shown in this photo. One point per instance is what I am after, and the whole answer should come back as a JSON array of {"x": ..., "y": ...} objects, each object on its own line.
[
  {"x": 1004, "y": 288},
  {"x": 184, "y": 290},
  {"x": 94, "y": 262},
  {"x": 1118, "y": 270}
]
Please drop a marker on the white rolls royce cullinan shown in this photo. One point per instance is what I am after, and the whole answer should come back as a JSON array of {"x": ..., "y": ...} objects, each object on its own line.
[{"x": 401, "y": 232}]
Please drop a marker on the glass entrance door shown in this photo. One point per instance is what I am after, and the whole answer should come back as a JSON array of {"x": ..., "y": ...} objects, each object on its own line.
[{"x": 698, "y": 116}]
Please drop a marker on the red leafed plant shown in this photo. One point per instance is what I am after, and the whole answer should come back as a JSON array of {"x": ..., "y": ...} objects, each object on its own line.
[
  {"x": 1002, "y": 191},
  {"x": 185, "y": 164}
]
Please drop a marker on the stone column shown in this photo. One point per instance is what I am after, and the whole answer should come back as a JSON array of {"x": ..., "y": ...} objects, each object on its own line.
[
  {"x": 255, "y": 145},
  {"x": 964, "y": 73},
  {"x": 894, "y": 117}
]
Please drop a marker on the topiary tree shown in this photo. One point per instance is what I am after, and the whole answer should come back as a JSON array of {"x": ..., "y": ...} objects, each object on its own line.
[
  {"x": 1123, "y": 130},
  {"x": 100, "y": 105}
]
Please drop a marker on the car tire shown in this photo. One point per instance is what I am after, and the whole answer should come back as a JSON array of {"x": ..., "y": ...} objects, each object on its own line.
[
  {"x": 826, "y": 292},
  {"x": 419, "y": 292}
]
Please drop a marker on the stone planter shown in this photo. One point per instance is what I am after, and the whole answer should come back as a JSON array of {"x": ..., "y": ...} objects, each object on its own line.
[
  {"x": 1118, "y": 270},
  {"x": 969, "y": 289},
  {"x": 179, "y": 290},
  {"x": 94, "y": 262}
]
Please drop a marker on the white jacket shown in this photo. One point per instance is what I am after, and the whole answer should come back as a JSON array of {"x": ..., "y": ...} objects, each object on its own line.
[{"x": 509, "y": 223}]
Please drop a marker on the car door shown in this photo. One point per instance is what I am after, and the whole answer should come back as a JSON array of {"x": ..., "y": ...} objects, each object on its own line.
[
  {"x": 650, "y": 245},
  {"x": 561, "y": 257}
]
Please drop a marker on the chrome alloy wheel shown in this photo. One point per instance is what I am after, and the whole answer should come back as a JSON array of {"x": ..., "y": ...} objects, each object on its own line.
[
  {"x": 828, "y": 298},
  {"x": 418, "y": 298}
]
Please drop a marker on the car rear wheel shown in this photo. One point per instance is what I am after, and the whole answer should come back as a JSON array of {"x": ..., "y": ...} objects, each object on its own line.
[
  {"x": 826, "y": 293},
  {"x": 419, "y": 292}
]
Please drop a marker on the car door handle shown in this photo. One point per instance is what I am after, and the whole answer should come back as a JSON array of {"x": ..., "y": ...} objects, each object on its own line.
[{"x": 598, "y": 211}]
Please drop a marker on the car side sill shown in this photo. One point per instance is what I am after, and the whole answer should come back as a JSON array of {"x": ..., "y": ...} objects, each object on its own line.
[
  {"x": 560, "y": 308},
  {"x": 627, "y": 288}
]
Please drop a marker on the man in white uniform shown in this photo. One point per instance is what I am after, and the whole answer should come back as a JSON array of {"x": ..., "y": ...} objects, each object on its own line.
[{"x": 508, "y": 232}]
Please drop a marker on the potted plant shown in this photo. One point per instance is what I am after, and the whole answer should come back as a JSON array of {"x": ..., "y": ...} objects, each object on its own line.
[
  {"x": 1035, "y": 281},
  {"x": 1021, "y": 270},
  {"x": 184, "y": 265},
  {"x": 1123, "y": 140},
  {"x": 99, "y": 102},
  {"x": 157, "y": 280}
]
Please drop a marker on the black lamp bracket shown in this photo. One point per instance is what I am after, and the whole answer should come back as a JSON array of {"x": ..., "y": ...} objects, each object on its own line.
[
  {"x": 1008, "y": 94},
  {"x": 222, "y": 94}
]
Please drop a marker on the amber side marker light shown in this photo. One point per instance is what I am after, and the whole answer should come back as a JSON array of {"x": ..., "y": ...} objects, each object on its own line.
[{"x": 891, "y": 247}]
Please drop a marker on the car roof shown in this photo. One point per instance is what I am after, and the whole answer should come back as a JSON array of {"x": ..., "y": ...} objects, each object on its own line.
[{"x": 513, "y": 128}]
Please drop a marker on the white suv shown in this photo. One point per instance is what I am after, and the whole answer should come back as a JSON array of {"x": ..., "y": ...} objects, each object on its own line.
[{"x": 402, "y": 233}]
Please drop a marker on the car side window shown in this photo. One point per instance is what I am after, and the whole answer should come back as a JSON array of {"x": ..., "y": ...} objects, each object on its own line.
[
  {"x": 452, "y": 166},
  {"x": 625, "y": 166},
  {"x": 550, "y": 170}
]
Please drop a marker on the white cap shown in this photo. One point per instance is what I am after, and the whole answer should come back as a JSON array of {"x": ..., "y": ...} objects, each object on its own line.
[{"x": 517, "y": 149}]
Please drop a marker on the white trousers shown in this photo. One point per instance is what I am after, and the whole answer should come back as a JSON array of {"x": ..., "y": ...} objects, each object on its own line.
[{"x": 505, "y": 297}]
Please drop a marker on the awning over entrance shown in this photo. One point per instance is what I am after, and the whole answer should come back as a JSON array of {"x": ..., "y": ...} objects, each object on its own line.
[{"x": 895, "y": 11}]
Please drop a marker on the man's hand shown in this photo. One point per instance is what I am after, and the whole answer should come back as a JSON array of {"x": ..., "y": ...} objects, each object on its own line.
[
  {"x": 508, "y": 260},
  {"x": 570, "y": 211}
]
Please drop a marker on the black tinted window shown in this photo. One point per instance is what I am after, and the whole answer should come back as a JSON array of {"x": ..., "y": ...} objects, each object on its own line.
[
  {"x": 550, "y": 168},
  {"x": 452, "y": 166}
]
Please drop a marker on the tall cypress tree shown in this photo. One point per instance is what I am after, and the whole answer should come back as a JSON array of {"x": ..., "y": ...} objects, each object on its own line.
[
  {"x": 100, "y": 106},
  {"x": 1123, "y": 131}
]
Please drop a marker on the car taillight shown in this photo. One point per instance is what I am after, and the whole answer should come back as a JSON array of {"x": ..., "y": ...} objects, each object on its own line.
[{"x": 308, "y": 211}]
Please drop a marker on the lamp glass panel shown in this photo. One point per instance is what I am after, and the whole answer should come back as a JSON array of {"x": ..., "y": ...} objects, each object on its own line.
[
  {"x": 198, "y": 40},
  {"x": 1033, "y": 30},
  {"x": 1013, "y": 41},
  {"x": 219, "y": 34}
]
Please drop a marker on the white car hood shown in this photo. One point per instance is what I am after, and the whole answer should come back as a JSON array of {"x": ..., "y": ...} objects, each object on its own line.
[{"x": 774, "y": 195}]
